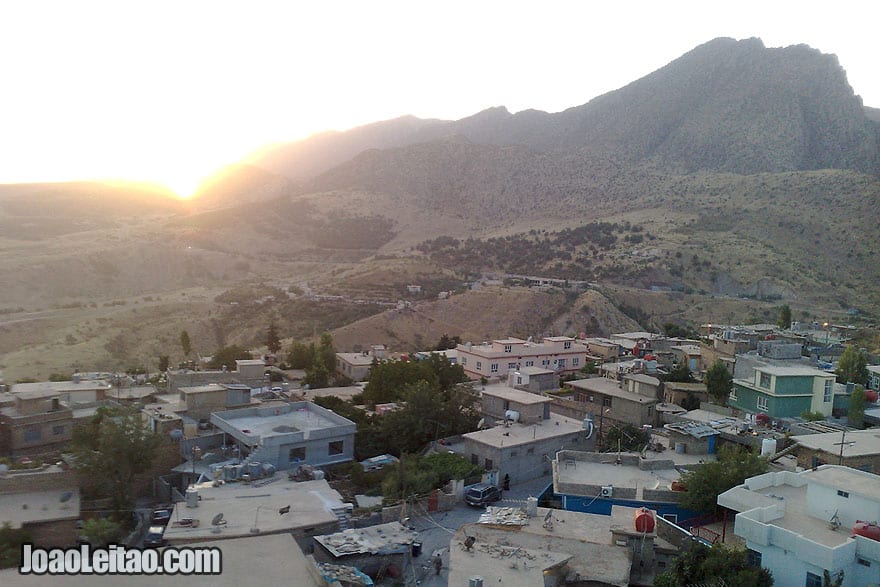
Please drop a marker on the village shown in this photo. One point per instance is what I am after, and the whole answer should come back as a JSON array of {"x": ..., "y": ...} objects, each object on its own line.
[{"x": 554, "y": 460}]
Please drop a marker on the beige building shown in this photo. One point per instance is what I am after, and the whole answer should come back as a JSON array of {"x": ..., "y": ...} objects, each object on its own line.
[
  {"x": 611, "y": 402},
  {"x": 859, "y": 449},
  {"x": 45, "y": 502},
  {"x": 500, "y": 400},
  {"x": 36, "y": 423},
  {"x": 76, "y": 391},
  {"x": 496, "y": 359}
]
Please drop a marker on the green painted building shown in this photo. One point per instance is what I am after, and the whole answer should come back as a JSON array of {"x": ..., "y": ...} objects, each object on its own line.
[{"x": 784, "y": 392}]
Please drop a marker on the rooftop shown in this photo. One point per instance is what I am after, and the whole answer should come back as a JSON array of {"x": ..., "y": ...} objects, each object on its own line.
[
  {"x": 694, "y": 429},
  {"x": 39, "y": 506},
  {"x": 357, "y": 359},
  {"x": 32, "y": 394},
  {"x": 634, "y": 336},
  {"x": 380, "y": 539},
  {"x": 276, "y": 419},
  {"x": 642, "y": 378},
  {"x": 516, "y": 434},
  {"x": 858, "y": 442},
  {"x": 241, "y": 558},
  {"x": 60, "y": 386},
  {"x": 515, "y": 395},
  {"x": 535, "y": 371},
  {"x": 310, "y": 506},
  {"x": 207, "y": 388},
  {"x": 609, "y": 387},
  {"x": 519, "y": 555},
  {"x": 794, "y": 371}
]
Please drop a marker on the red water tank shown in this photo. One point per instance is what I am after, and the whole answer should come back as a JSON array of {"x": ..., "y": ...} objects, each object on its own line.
[
  {"x": 871, "y": 396},
  {"x": 867, "y": 529},
  {"x": 650, "y": 358},
  {"x": 762, "y": 418},
  {"x": 644, "y": 519}
]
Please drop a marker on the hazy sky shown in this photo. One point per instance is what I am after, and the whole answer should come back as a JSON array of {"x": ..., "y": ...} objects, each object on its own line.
[{"x": 170, "y": 91}]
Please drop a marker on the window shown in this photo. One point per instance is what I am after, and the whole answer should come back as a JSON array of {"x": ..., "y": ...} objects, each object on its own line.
[
  {"x": 765, "y": 380},
  {"x": 650, "y": 411},
  {"x": 733, "y": 394},
  {"x": 464, "y": 361},
  {"x": 511, "y": 365},
  {"x": 575, "y": 362},
  {"x": 753, "y": 558},
  {"x": 829, "y": 391},
  {"x": 566, "y": 344},
  {"x": 530, "y": 363},
  {"x": 763, "y": 404},
  {"x": 506, "y": 405},
  {"x": 475, "y": 460},
  {"x": 606, "y": 402},
  {"x": 32, "y": 434},
  {"x": 863, "y": 562},
  {"x": 508, "y": 348},
  {"x": 493, "y": 367},
  {"x": 479, "y": 365},
  {"x": 545, "y": 362},
  {"x": 514, "y": 453},
  {"x": 671, "y": 518},
  {"x": 843, "y": 493},
  {"x": 488, "y": 464},
  {"x": 519, "y": 380},
  {"x": 561, "y": 363},
  {"x": 531, "y": 451},
  {"x": 297, "y": 454},
  {"x": 336, "y": 447},
  {"x": 57, "y": 430},
  {"x": 813, "y": 580}
]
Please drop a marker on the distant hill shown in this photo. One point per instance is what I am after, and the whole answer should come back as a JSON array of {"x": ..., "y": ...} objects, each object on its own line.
[{"x": 727, "y": 105}]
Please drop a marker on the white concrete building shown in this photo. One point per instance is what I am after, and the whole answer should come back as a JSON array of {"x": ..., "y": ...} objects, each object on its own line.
[{"x": 799, "y": 525}]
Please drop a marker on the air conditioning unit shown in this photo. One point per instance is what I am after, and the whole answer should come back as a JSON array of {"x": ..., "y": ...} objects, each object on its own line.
[{"x": 607, "y": 491}]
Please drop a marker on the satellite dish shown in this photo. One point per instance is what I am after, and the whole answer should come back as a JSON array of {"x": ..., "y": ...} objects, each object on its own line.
[
  {"x": 218, "y": 520},
  {"x": 481, "y": 423},
  {"x": 65, "y": 497}
]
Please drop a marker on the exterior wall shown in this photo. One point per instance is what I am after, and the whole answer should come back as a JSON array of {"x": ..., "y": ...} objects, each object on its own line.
[
  {"x": 616, "y": 409},
  {"x": 36, "y": 433},
  {"x": 780, "y": 405},
  {"x": 522, "y": 462},
  {"x": 203, "y": 404},
  {"x": 178, "y": 379},
  {"x": 478, "y": 361},
  {"x": 495, "y": 407},
  {"x": 354, "y": 371},
  {"x": 58, "y": 533},
  {"x": 874, "y": 377}
]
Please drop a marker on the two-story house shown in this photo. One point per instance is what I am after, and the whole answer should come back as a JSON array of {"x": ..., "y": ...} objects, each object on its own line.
[
  {"x": 495, "y": 359},
  {"x": 782, "y": 392}
]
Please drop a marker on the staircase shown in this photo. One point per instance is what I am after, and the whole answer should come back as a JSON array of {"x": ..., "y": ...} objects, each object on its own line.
[{"x": 343, "y": 515}]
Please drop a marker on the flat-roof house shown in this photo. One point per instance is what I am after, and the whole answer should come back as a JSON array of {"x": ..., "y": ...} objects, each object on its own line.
[
  {"x": 250, "y": 372},
  {"x": 799, "y": 525},
  {"x": 874, "y": 377},
  {"x": 75, "y": 391},
  {"x": 36, "y": 423},
  {"x": 46, "y": 503},
  {"x": 858, "y": 449},
  {"x": 288, "y": 435},
  {"x": 201, "y": 401},
  {"x": 611, "y": 403},
  {"x": 561, "y": 354},
  {"x": 498, "y": 400},
  {"x": 782, "y": 392}
]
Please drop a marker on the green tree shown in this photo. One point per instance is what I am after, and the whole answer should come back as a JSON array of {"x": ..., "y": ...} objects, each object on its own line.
[
  {"x": 164, "y": 362},
  {"x": 718, "y": 565},
  {"x": 718, "y": 382},
  {"x": 273, "y": 343},
  {"x": 852, "y": 366},
  {"x": 11, "y": 541},
  {"x": 227, "y": 356},
  {"x": 447, "y": 343},
  {"x": 589, "y": 368},
  {"x": 691, "y": 402},
  {"x": 630, "y": 437},
  {"x": 299, "y": 356},
  {"x": 101, "y": 531},
  {"x": 185, "y": 343},
  {"x": 680, "y": 374},
  {"x": 316, "y": 376},
  {"x": 784, "y": 320},
  {"x": 856, "y": 413},
  {"x": 813, "y": 416},
  {"x": 733, "y": 466},
  {"x": 326, "y": 353},
  {"x": 110, "y": 451}
]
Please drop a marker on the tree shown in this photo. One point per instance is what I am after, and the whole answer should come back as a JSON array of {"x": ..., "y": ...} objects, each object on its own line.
[
  {"x": 630, "y": 437},
  {"x": 447, "y": 343},
  {"x": 273, "y": 343},
  {"x": 11, "y": 541},
  {"x": 718, "y": 565},
  {"x": 164, "y": 362},
  {"x": 316, "y": 376},
  {"x": 110, "y": 451},
  {"x": 784, "y": 320},
  {"x": 227, "y": 356},
  {"x": 589, "y": 368},
  {"x": 101, "y": 531},
  {"x": 718, "y": 381},
  {"x": 326, "y": 353},
  {"x": 679, "y": 374},
  {"x": 852, "y": 366},
  {"x": 813, "y": 416},
  {"x": 691, "y": 402},
  {"x": 299, "y": 357},
  {"x": 733, "y": 466},
  {"x": 185, "y": 343},
  {"x": 856, "y": 413}
]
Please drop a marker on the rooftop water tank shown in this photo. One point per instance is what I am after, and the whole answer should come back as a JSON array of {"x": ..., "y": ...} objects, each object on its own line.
[
  {"x": 192, "y": 497},
  {"x": 644, "y": 520},
  {"x": 867, "y": 529},
  {"x": 511, "y": 415},
  {"x": 768, "y": 447}
]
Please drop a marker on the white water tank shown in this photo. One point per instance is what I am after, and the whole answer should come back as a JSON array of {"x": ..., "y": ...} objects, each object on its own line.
[
  {"x": 192, "y": 497},
  {"x": 532, "y": 506},
  {"x": 768, "y": 447},
  {"x": 511, "y": 415}
]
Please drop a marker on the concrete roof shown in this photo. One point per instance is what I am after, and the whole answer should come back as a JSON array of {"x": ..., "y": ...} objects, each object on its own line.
[
  {"x": 694, "y": 429},
  {"x": 243, "y": 560},
  {"x": 687, "y": 348},
  {"x": 276, "y": 419},
  {"x": 510, "y": 340},
  {"x": 609, "y": 387},
  {"x": 792, "y": 371},
  {"x": 207, "y": 388},
  {"x": 519, "y": 555},
  {"x": 42, "y": 506},
  {"x": 676, "y": 386},
  {"x": 635, "y": 336},
  {"x": 31, "y": 394},
  {"x": 642, "y": 378},
  {"x": 380, "y": 539},
  {"x": 310, "y": 505},
  {"x": 874, "y": 368},
  {"x": 60, "y": 386},
  {"x": 517, "y": 434},
  {"x": 357, "y": 359},
  {"x": 864, "y": 442},
  {"x": 515, "y": 395},
  {"x": 535, "y": 370}
]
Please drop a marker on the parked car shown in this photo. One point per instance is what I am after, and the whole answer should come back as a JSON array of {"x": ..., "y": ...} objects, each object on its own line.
[
  {"x": 161, "y": 517},
  {"x": 155, "y": 537},
  {"x": 481, "y": 495}
]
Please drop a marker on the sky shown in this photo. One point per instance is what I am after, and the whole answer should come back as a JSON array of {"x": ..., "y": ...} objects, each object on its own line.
[{"x": 169, "y": 92}]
